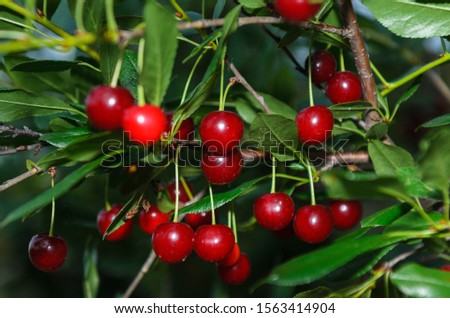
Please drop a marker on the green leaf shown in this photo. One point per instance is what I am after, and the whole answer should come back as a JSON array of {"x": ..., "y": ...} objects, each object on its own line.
[
  {"x": 412, "y": 19},
  {"x": 312, "y": 266},
  {"x": 218, "y": 8},
  {"x": 16, "y": 104},
  {"x": 44, "y": 198},
  {"x": 273, "y": 133},
  {"x": 437, "y": 122},
  {"x": 377, "y": 131},
  {"x": 253, "y": 4},
  {"x": 413, "y": 221},
  {"x": 91, "y": 280},
  {"x": 386, "y": 216},
  {"x": 415, "y": 280},
  {"x": 160, "y": 51},
  {"x": 388, "y": 159},
  {"x": 45, "y": 66},
  {"x": 220, "y": 199},
  {"x": 109, "y": 55},
  {"x": 93, "y": 13},
  {"x": 406, "y": 96},
  {"x": 64, "y": 138},
  {"x": 10, "y": 21},
  {"x": 410, "y": 178},
  {"x": 274, "y": 104},
  {"x": 129, "y": 73},
  {"x": 319, "y": 292},
  {"x": 349, "y": 110},
  {"x": 346, "y": 127}
]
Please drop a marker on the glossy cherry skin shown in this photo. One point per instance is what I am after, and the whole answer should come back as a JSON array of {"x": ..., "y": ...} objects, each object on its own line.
[
  {"x": 213, "y": 242},
  {"x": 323, "y": 66},
  {"x": 195, "y": 220},
  {"x": 346, "y": 213},
  {"x": 297, "y": 10},
  {"x": 236, "y": 274},
  {"x": 105, "y": 106},
  {"x": 274, "y": 211},
  {"x": 221, "y": 131},
  {"x": 344, "y": 87},
  {"x": 47, "y": 253},
  {"x": 445, "y": 268},
  {"x": 149, "y": 220},
  {"x": 314, "y": 124},
  {"x": 144, "y": 125},
  {"x": 232, "y": 257},
  {"x": 105, "y": 218},
  {"x": 183, "y": 195},
  {"x": 313, "y": 223},
  {"x": 221, "y": 169},
  {"x": 186, "y": 130},
  {"x": 173, "y": 242}
]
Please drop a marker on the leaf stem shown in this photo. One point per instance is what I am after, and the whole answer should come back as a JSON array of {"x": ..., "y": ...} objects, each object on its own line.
[
  {"x": 177, "y": 184},
  {"x": 191, "y": 75},
  {"x": 274, "y": 174},
  {"x": 140, "y": 65},
  {"x": 377, "y": 72},
  {"x": 289, "y": 177},
  {"x": 211, "y": 197}
]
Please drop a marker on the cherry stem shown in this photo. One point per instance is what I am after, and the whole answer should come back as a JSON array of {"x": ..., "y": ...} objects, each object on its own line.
[
  {"x": 191, "y": 75},
  {"x": 311, "y": 184},
  {"x": 44, "y": 8},
  {"x": 311, "y": 95},
  {"x": 222, "y": 82},
  {"x": 274, "y": 174},
  {"x": 140, "y": 65},
  {"x": 107, "y": 204},
  {"x": 233, "y": 217},
  {"x": 444, "y": 46},
  {"x": 341, "y": 60},
  {"x": 52, "y": 172},
  {"x": 286, "y": 176},
  {"x": 211, "y": 197},
  {"x": 186, "y": 188},
  {"x": 117, "y": 69},
  {"x": 79, "y": 16},
  {"x": 177, "y": 185},
  {"x": 111, "y": 24}
]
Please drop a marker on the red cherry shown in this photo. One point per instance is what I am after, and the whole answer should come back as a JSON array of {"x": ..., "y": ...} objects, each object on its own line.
[
  {"x": 144, "y": 125},
  {"x": 173, "y": 242},
  {"x": 195, "y": 220},
  {"x": 213, "y": 242},
  {"x": 232, "y": 257},
  {"x": 186, "y": 130},
  {"x": 105, "y": 218},
  {"x": 314, "y": 124},
  {"x": 323, "y": 66},
  {"x": 222, "y": 169},
  {"x": 313, "y": 223},
  {"x": 344, "y": 87},
  {"x": 236, "y": 274},
  {"x": 297, "y": 10},
  {"x": 221, "y": 131},
  {"x": 105, "y": 106},
  {"x": 183, "y": 196},
  {"x": 346, "y": 213},
  {"x": 149, "y": 220},
  {"x": 445, "y": 268},
  {"x": 47, "y": 253},
  {"x": 274, "y": 211}
]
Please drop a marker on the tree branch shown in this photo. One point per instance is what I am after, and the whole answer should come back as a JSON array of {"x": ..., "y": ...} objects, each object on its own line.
[
  {"x": 25, "y": 131},
  {"x": 35, "y": 147},
  {"x": 7, "y": 184},
  {"x": 144, "y": 269}
]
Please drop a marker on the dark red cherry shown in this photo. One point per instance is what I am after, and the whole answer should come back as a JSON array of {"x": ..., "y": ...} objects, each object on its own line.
[
  {"x": 186, "y": 130},
  {"x": 274, "y": 211},
  {"x": 323, "y": 66},
  {"x": 346, "y": 213},
  {"x": 173, "y": 242},
  {"x": 221, "y": 131},
  {"x": 313, "y": 223},
  {"x": 195, "y": 220},
  {"x": 445, "y": 268},
  {"x": 222, "y": 169},
  {"x": 149, "y": 220},
  {"x": 105, "y": 106},
  {"x": 183, "y": 196},
  {"x": 232, "y": 257},
  {"x": 47, "y": 253},
  {"x": 213, "y": 242},
  {"x": 297, "y": 10},
  {"x": 344, "y": 87},
  {"x": 314, "y": 124},
  {"x": 144, "y": 125},
  {"x": 105, "y": 218},
  {"x": 236, "y": 274}
]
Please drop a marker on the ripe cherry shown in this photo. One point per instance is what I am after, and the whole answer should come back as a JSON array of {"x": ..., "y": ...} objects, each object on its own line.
[
  {"x": 314, "y": 124},
  {"x": 183, "y": 195},
  {"x": 313, "y": 223},
  {"x": 105, "y": 218},
  {"x": 105, "y": 106},
  {"x": 346, "y": 213},
  {"x": 47, "y": 253},
  {"x": 232, "y": 257},
  {"x": 344, "y": 87},
  {"x": 445, "y": 268},
  {"x": 274, "y": 211},
  {"x": 221, "y": 169},
  {"x": 186, "y": 130},
  {"x": 213, "y": 242},
  {"x": 173, "y": 242},
  {"x": 323, "y": 66},
  {"x": 150, "y": 219},
  {"x": 236, "y": 274},
  {"x": 221, "y": 131},
  {"x": 195, "y": 220},
  {"x": 297, "y": 10},
  {"x": 144, "y": 125}
]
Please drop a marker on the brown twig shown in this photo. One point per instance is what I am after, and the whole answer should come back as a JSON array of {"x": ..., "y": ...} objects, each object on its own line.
[
  {"x": 25, "y": 131},
  {"x": 7, "y": 184},
  {"x": 140, "y": 275},
  {"x": 34, "y": 147}
]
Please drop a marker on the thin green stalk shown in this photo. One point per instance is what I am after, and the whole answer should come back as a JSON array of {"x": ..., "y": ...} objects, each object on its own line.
[
  {"x": 44, "y": 8},
  {"x": 310, "y": 86},
  {"x": 177, "y": 185},
  {"x": 233, "y": 217},
  {"x": 393, "y": 86},
  {"x": 79, "y": 6},
  {"x": 140, "y": 65},
  {"x": 52, "y": 220},
  {"x": 191, "y": 75},
  {"x": 117, "y": 69},
  {"x": 444, "y": 46},
  {"x": 186, "y": 188},
  {"x": 185, "y": 39},
  {"x": 107, "y": 204},
  {"x": 289, "y": 177},
  {"x": 185, "y": 17},
  {"x": 222, "y": 82},
  {"x": 222, "y": 103},
  {"x": 111, "y": 24},
  {"x": 211, "y": 197},
  {"x": 386, "y": 284},
  {"x": 311, "y": 184},
  {"x": 274, "y": 174},
  {"x": 446, "y": 203},
  {"x": 378, "y": 74},
  {"x": 419, "y": 208},
  {"x": 341, "y": 60}
]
